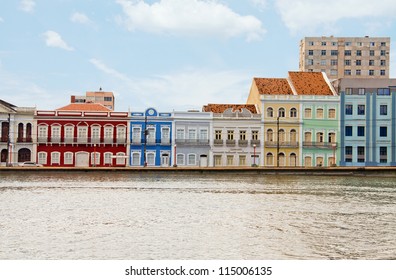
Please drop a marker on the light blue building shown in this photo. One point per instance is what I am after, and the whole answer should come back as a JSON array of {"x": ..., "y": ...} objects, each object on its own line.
[
  {"x": 151, "y": 134},
  {"x": 368, "y": 125}
]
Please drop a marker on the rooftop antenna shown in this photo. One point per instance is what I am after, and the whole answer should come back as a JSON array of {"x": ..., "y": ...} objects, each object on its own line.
[{"x": 100, "y": 89}]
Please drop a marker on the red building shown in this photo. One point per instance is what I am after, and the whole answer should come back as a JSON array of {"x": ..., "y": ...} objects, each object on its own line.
[{"x": 82, "y": 135}]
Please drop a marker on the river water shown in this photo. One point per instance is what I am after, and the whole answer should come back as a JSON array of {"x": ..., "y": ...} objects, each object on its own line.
[{"x": 121, "y": 215}]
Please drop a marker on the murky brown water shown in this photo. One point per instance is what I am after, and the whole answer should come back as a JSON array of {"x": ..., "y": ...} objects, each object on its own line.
[{"x": 159, "y": 216}]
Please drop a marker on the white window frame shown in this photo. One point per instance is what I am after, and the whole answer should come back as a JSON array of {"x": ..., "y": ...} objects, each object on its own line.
[
  {"x": 191, "y": 159},
  {"x": 55, "y": 158},
  {"x": 42, "y": 158},
  {"x": 108, "y": 158},
  {"x": 68, "y": 158}
]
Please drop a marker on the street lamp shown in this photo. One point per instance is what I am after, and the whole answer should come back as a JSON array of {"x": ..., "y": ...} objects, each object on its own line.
[
  {"x": 94, "y": 164},
  {"x": 174, "y": 158},
  {"x": 254, "y": 155}
]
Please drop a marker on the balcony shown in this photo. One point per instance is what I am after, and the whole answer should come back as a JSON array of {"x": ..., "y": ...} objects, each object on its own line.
[
  {"x": 24, "y": 139},
  {"x": 230, "y": 143},
  {"x": 218, "y": 142},
  {"x": 282, "y": 144},
  {"x": 165, "y": 141},
  {"x": 4, "y": 139},
  {"x": 243, "y": 143},
  {"x": 323, "y": 145},
  {"x": 192, "y": 142},
  {"x": 255, "y": 142}
]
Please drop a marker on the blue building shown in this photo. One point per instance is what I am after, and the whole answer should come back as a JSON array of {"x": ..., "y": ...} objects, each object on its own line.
[
  {"x": 151, "y": 134},
  {"x": 368, "y": 122}
]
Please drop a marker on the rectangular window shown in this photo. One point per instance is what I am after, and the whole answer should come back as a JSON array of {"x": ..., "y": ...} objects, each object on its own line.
[
  {"x": 383, "y": 44},
  {"x": 348, "y": 154},
  {"x": 230, "y": 160},
  {"x": 108, "y": 132},
  {"x": 358, "y": 72},
  {"x": 383, "y": 62},
  {"x": 360, "y": 152},
  {"x": 348, "y": 44},
  {"x": 361, "y": 110},
  {"x": 55, "y": 158},
  {"x": 310, "y": 62},
  {"x": 347, "y": 52},
  {"x": 310, "y": 52},
  {"x": 95, "y": 134},
  {"x": 334, "y": 52},
  {"x": 242, "y": 135},
  {"x": 383, "y": 91},
  {"x": 180, "y": 159},
  {"x": 319, "y": 113},
  {"x": 360, "y": 131},
  {"x": 382, "y": 72},
  {"x": 255, "y": 134},
  {"x": 383, "y": 131},
  {"x": 136, "y": 139},
  {"x": 323, "y": 62},
  {"x": 358, "y": 53},
  {"x": 108, "y": 98},
  {"x": 371, "y": 72},
  {"x": 218, "y": 134},
  {"x": 108, "y": 159},
  {"x": 242, "y": 160},
  {"x": 383, "y": 52},
  {"x": 180, "y": 133},
  {"x": 361, "y": 91},
  {"x": 371, "y": 62},
  {"x": 333, "y": 62},
  {"x": 203, "y": 134},
  {"x": 348, "y": 72},
  {"x": 230, "y": 135},
  {"x": 192, "y": 133},
  {"x": 383, "y": 110},
  {"x": 383, "y": 154},
  {"x": 332, "y": 114},
  {"x": 348, "y": 109},
  {"x": 358, "y": 62},
  {"x": 191, "y": 159},
  {"x": 347, "y": 62},
  {"x": 68, "y": 158},
  {"x": 348, "y": 130},
  {"x": 371, "y": 52},
  {"x": 372, "y": 44},
  {"x": 310, "y": 43},
  {"x": 307, "y": 113}
]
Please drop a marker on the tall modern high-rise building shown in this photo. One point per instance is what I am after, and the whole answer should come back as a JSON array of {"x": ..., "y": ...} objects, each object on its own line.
[{"x": 346, "y": 57}]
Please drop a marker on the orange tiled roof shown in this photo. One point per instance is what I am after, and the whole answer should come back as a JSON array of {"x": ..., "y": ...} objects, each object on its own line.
[
  {"x": 309, "y": 83},
  {"x": 273, "y": 86},
  {"x": 85, "y": 107},
  {"x": 220, "y": 108}
]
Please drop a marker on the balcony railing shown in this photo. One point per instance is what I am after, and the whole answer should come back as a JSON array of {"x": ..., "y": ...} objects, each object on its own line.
[
  {"x": 218, "y": 142},
  {"x": 230, "y": 142},
  {"x": 24, "y": 139},
  {"x": 192, "y": 141},
  {"x": 283, "y": 144},
  {"x": 4, "y": 139},
  {"x": 324, "y": 145},
  {"x": 255, "y": 142},
  {"x": 243, "y": 143},
  {"x": 80, "y": 140}
]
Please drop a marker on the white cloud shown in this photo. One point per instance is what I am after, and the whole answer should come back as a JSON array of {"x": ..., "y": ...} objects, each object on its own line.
[
  {"x": 80, "y": 18},
  {"x": 308, "y": 15},
  {"x": 187, "y": 89},
  {"x": 190, "y": 17},
  {"x": 261, "y": 4},
  {"x": 1, "y": 19},
  {"x": 53, "y": 39},
  {"x": 27, "y": 6}
]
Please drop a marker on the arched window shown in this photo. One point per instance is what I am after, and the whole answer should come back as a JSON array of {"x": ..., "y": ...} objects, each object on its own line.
[
  {"x": 180, "y": 159},
  {"x": 20, "y": 133},
  {"x": 29, "y": 132},
  {"x": 24, "y": 155},
  {"x": 192, "y": 159},
  {"x": 120, "y": 158},
  {"x": 281, "y": 135},
  {"x": 319, "y": 113},
  {"x": 281, "y": 159},
  {"x": 307, "y": 161},
  {"x": 4, "y": 155},
  {"x": 4, "y": 131},
  {"x": 135, "y": 159},
  {"x": 270, "y": 135},
  {"x": 55, "y": 158},
  {"x": 42, "y": 158},
  {"x": 151, "y": 159},
  {"x": 307, "y": 113},
  {"x": 319, "y": 137},
  {"x": 270, "y": 159},
  {"x": 68, "y": 158},
  {"x": 293, "y": 136},
  {"x": 308, "y": 137},
  {"x": 293, "y": 159},
  {"x": 270, "y": 112},
  {"x": 281, "y": 112},
  {"x": 108, "y": 158},
  {"x": 293, "y": 113}
]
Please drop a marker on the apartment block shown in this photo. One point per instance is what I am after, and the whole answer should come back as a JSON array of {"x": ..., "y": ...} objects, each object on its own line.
[
  {"x": 106, "y": 98},
  {"x": 346, "y": 57}
]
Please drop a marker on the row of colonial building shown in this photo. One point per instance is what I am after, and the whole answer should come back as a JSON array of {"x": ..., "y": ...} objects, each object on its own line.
[{"x": 301, "y": 120}]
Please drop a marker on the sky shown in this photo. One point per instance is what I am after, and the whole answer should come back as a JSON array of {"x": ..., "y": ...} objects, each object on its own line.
[{"x": 167, "y": 54}]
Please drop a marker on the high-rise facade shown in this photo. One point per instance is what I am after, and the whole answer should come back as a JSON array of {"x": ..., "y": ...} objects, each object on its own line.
[{"x": 346, "y": 57}]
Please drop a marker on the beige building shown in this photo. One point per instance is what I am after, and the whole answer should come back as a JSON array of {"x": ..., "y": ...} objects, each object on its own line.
[
  {"x": 105, "y": 98},
  {"x": 346, "y": 57}
]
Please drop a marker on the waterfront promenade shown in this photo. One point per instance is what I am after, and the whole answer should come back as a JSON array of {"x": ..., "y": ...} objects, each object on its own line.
[{"x": 330, "y": 171}]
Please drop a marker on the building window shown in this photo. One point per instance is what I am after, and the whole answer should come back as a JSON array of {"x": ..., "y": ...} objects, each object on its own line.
[
  {"x": 192, "y": 133},
  {"x": 307, "y": 113},
  {"x": 151, "y": 159},
  {"x": 55, "y": 158},
  {"x": 107, "y": 158},
  {"x": 270, "y": 112},
  {"x": 135, "y": 159},
  {"x": 82, "y": 134},
  {"x": 293, "y": 113},
  {"x": 383, "y": 91},
  {"x": 203, "y": 134},
  {"x": 323, "y": 43},
  {"x": 255, "y": 134},
  {"x": 360, "y": 131},
  {"x": 358, "y": 53},
  {"x": 361, "y": 91},
  {"x": 95, "y": 134},
  {"x": 281, "y": 112},
  {"x": 348, "y": 154},
  {"x": 95, "y": 158},
  {"x": 358, "y": 72},
  {"x": 319, "y": 113},
  {"x": 382, "y": 72},
  {"x": 383, "y": 52},
  {"x": 383, "y": 131},
  {"x": 282, "y": 135},
  {"x": 120, "y": 158},
  {"x": 310, "y": 52},
  {"x": 68, "y": 158},
  {"x": 108, "y": 134},
  {"x": 180, "y": 159},
  {"x": 218, "y": 134},
  {"x": 348, "y": 44},
  {"x": 358, "y": 62},
  {"x": 348, "y": 109},
  {"x": 121, "y": 134},
  {"x": 242, "y": 160},
  {"x": 383, "y": 62},
  {"x": 383, "y": 154},
  {"x": 323, "y": 62},
  {"x": 307, "y": 161},
  {"x": 371, "y": 52},
  {"x": 332, "y": 114},
  {"x": 69, "y": 134},
  {"x": 151, "y": 135},
  {"x": 383, "y": 110},
  {"x": 270, "y": 135},
  {"x": 310, "y": 61},
  {"x": 371, "y": 72},
  {"x": 230, "y": 135},
  {"x": 180, "y": 133},
  {"x": 347, "y": 72},
  {"x": 333, "y": 62},
  {"x": 360, "y": 152},
  {"x": 347, "y": 52},
  {"x": 136, "y": 138},
  {"x": 108, "y": 98},
  {"x": 270, "y": 159},
  {"x": 42, "y": 158},
  {"x": 293, "y": 136},
  {"x": 55, "y": 133},
  {"x": 334, "y": 52},
  {"x": 192, "y": 159},
  {"x": 361, "y": 110},
  {"x": 230, "y": 160},
  {"x": 383, "y": 44},
  {"x": 348, "y": 62},
  {"x": 319, "y": 137},
  {"x": 348, "y": 130},
  {"x": 218, "y": 160},
  {"x": 165, "y": 135},
  {"x": 308, "y": 137},
  {"x": 332, "y": 137},
  {"x": 242, "y": 135},
  {"x": 371, "y": 62}
]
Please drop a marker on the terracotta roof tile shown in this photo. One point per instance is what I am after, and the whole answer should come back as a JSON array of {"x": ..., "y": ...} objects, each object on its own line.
[
  {"x": 309, "y": 83},
  {"x": 273, "y": 86},
  {"x": 220, "y": 108},
  {"x": 85, "y": 107}
]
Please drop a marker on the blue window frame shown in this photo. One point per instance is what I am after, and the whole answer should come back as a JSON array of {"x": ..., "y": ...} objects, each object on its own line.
[
  {"x": 348, "y": 131},
  {"x": 383, "y": 110},
  {"x": 360, "y": 131},
  {"x": 383, "y": 131},
  {"x": 361, "y": 110},
  {"x": 348, "y": 109}
]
